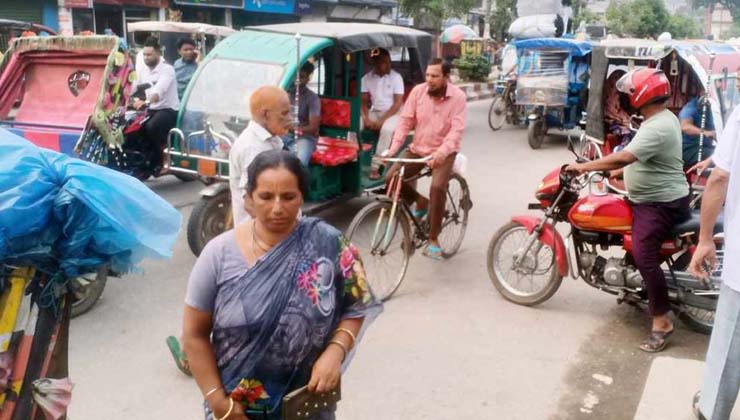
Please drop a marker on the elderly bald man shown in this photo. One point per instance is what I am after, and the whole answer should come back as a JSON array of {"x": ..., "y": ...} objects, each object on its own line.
[{"x": 271, "y": 118}]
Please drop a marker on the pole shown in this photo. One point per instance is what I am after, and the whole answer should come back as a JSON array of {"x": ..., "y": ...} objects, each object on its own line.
[
  {"x": 704, "y": 109},
  {"x": 296, "y": 108}
]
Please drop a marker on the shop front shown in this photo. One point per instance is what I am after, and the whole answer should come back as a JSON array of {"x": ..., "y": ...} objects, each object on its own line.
[
  {"x": 105, "y": 16},
  {"x": 267, "y": 12},
  {"x": 213, "y": 12}
]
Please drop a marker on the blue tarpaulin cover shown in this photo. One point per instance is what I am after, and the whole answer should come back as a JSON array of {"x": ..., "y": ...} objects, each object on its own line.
[
  {"x": 58, "y": 212},
  {"x": 576, "y": 48}
]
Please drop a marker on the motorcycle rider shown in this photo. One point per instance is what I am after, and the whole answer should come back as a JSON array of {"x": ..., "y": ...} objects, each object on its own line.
[
  {"x": 161, "y": 97},
  {"x": 657, "y": 188}
]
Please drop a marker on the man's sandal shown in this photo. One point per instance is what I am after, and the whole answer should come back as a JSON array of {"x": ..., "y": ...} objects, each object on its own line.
[
  {"x": 656, "y": 341},
  {"x": 695, "y": 406},
  {"x": 180, "y": 358},
  {"x": 433, "y": 252}
]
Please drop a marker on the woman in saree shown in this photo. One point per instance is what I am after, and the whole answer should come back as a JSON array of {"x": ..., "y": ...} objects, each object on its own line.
[{"x": 274, "y": 304}]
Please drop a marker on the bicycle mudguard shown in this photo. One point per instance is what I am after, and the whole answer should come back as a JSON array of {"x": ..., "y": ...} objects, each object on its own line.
[{"x": 550, "y": 237}]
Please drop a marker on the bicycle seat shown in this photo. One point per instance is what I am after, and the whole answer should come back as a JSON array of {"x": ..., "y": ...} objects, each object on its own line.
[{"x": 691, "y": 225}]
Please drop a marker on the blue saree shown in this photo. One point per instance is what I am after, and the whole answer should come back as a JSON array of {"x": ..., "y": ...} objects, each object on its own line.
[{"x": 271, "y": 321}]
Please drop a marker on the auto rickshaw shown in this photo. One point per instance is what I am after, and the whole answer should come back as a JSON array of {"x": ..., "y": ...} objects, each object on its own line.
[
  {"x": 691, "y": 67},
  {"x": 168, "y": 33},
  {"x": 215, "y": 108},
  {"x": 54, "y": 88},
  {"x": 552, "y": 84}
]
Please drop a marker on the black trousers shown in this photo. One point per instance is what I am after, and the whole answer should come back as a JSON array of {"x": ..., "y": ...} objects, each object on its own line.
[
  {"x": 156, "y": 129},
  {"x": 651, "y": 225}
]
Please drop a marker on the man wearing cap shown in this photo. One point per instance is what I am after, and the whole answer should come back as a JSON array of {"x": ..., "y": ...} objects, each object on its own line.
[{"x": 382, "y": 99}]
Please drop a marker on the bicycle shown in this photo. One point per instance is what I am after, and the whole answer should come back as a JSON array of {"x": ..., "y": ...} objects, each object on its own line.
[{"x": 382, "y": 230}]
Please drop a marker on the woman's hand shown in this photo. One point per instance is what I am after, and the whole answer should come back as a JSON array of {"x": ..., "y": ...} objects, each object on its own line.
[
  {"x": 221, "y": 407},
  {"x": 327, "y": 370}
]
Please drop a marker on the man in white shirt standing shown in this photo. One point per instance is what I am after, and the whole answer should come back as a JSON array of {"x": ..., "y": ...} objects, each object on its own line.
[
  {"x": 722, "y": 371},
  {"x": 160, "y": 97},
  {"x": 382, "y": 99},
  {"x": 271, "y": 118}
]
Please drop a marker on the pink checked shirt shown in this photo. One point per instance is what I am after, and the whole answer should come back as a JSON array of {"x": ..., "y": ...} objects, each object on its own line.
[{"x": 438, "y": 122}]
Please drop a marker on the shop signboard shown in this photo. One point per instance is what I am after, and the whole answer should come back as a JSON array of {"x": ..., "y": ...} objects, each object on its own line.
[
  {"x": 302, "y": 7},
  {"x": 285, "y": 7},
  {"x": 232, "y": 4},
  {"x": 78, "y": 4}
]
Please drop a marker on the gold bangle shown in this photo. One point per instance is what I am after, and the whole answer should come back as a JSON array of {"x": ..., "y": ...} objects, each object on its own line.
[
  {"x": 349, "y": 333},
  {"x": 212, "y": 391},
  {"x": 228, "y": 413},
  {"x": 342, "y": 346}
]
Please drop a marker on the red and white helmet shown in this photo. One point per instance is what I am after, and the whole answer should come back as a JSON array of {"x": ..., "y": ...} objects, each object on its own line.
[{"x": 644, "y": 86}]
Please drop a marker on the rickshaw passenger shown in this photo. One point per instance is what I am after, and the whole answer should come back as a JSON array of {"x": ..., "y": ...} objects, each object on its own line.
[
  {"x": 161, "y": 97},
  {"x": 309, "y": 117},
  {"x": 187, "y": 64},
  {"x": 690, "y": 116},
  {"x": 436, "y": 110},
  {"x": 617, "y": 118},
  {"x": 383, "y": 88},
  {"x": 270, "y": 109}
]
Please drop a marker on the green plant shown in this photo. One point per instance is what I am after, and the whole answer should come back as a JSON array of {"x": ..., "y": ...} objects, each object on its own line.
[{"x": 473, "y": 67}]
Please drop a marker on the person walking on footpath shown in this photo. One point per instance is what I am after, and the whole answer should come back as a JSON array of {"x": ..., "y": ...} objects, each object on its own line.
[{"x": 722, "y": 372}]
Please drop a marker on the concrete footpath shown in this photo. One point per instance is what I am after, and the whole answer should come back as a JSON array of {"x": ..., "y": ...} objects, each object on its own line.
[
  {"x": 477, "y": 91},
  {"x": 670, "y": 389}
]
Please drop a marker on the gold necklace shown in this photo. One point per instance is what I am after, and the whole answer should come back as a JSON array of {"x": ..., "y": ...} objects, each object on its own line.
[{"x": 256, "y": 240}]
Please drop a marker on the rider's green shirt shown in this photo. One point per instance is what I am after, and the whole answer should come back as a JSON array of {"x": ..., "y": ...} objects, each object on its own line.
[{"x": 657, "y": 175}]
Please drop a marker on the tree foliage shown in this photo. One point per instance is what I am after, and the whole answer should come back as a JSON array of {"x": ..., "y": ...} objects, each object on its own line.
[
  {"x": 437, "y": 11},
  {"x": 638, "y": 18},
  {"x": 501, "y": 18},
  {"x": 681, "y": 26}
]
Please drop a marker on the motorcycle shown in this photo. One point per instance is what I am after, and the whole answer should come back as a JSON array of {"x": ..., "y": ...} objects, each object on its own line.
[{"x": 528, "y": 258}]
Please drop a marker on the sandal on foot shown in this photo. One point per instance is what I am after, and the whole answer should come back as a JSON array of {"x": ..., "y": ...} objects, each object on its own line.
[
  {"x": 656, "y": 341},
  {"x": 420, "y": 214},
  {"x": 180, "y": 359},
  {"x": 695, "y": 406},
  {"x": 374, "y": 174},
  {"x": 433, "y": 252}
]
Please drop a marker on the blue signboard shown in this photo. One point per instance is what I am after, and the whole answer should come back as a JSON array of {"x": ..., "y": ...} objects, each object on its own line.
[
  {"x": 302, "y": 7},
  {"x": 286, "y": 7}
]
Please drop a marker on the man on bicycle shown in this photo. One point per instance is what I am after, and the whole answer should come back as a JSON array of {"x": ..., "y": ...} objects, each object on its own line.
[{"x": 436, "y": 111}]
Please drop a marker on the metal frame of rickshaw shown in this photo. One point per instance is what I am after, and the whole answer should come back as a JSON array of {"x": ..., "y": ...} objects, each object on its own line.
[
  {"x": 632, "y": 53},
  {"x": 560, "y": 115},
  {"x": 198, "y": 30}
]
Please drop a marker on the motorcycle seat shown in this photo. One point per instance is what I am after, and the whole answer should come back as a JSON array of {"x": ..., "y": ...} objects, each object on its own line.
[{"x": 691, "y": 225}]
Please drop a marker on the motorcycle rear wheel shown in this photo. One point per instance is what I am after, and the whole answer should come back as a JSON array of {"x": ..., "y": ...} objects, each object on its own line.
[
  {"x": 698, "y": 319},
  {"x": 551, "y": 276}
]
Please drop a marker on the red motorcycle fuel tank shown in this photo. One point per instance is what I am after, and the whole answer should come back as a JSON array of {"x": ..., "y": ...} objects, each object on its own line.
[
  {"x": 548, "y": 187},
  {"x": 602, "y": 213}
]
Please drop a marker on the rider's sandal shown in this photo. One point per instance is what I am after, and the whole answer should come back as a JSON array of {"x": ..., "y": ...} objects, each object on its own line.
[
  {"x": 433, "y": 252},
  {"x": 420, "y": 214},
  {"x": 180, "y": 359},
  {"x": 656, "y": 341}
]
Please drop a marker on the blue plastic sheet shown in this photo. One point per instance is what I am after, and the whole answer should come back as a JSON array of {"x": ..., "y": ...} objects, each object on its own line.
[{"x": 58, "y": 212}]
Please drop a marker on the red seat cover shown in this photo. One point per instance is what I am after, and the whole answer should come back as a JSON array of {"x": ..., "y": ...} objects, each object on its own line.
[{"x": 336, "y": 113}]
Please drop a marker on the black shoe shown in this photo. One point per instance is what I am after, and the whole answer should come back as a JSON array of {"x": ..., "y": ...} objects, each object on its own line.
[{"x": 695, "y": 406}]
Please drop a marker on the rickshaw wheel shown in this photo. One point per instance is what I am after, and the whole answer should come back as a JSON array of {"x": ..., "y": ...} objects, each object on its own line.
[
  {"x": 211, "y": 217},
  {"x": 87, "y": 289},
  {"x": 497, "y": 113},
  {"x": 536, "y": 133}
]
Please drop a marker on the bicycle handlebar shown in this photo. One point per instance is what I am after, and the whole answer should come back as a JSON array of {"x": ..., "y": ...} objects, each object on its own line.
[{"x": 406, "y": 160}]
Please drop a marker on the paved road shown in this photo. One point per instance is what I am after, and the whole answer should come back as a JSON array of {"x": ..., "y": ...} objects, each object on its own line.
[{"x": 447, "y": 345}]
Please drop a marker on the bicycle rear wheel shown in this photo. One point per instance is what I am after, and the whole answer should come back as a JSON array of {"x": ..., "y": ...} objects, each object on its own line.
[
  {"x": 385, "y": 256},
  {"x": 455, "y": 220}
]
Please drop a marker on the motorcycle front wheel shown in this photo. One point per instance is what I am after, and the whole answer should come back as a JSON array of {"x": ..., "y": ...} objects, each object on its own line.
[{"x": 536, "y": 278}]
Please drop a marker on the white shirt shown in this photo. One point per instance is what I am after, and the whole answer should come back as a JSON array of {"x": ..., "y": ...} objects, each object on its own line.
[
  {"x": 254, "y": 140},
  {"x": 164, "y": 83},
  {"x": 727, "y": 157},
  {"x": 382, "y": 89}
]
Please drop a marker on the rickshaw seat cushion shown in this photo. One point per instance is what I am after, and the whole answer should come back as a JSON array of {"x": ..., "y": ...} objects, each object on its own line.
[
  {"x": 336, "y": 113},
  {"x": 334, "y": 152}
]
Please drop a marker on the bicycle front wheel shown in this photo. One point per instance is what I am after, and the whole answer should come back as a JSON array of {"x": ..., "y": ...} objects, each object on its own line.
[
  {"x": 385, "y": 246},
  {"x": 455, "y": 220}
]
